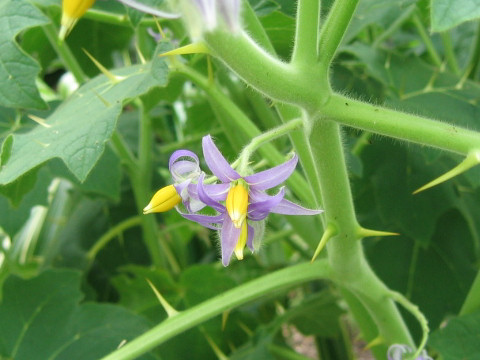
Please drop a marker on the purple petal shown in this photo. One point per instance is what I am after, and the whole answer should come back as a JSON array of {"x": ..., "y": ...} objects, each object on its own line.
[
  {"x": 205, "y": 220},
  {"x": 259, "y": 210},
  {"x": 180, "y": 188},
  {"x": 272, "y": 177},
  {"x": 286, "y": 207},
  {"x": 183, "y": 164},
  {"x": 216, "y": 162},
  {"x": 250, "y": 234},
  {"x": 230, "y": 12},
  {"x": 205, "y": 198},
  {"x": 229, "y": 235}
]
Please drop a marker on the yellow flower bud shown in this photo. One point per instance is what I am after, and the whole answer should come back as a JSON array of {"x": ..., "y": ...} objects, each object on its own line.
[
  {"x": 164, "y": 199},
  {"x": 72, "y": 10},
  {"x": 242, "y": 241},
  {"x": 237, "y": 202}
]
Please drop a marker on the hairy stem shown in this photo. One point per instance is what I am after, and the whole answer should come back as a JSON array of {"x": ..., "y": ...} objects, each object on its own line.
[{"x": 306, "y": 34}]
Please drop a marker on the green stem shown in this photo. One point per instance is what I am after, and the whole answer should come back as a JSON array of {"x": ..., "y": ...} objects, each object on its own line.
[
  {"x": 306, "y": 34},
  {"x": 400, "y": 125},
  {"x": 427, "y": 40},
  {"x": 63, "y": 51},
  {"x": 474, "y": 61},
  {"x": 266, "y": 137},
  {"x": 244, "y": 125},
  {"x": 279, "y": 280},
  {"x": 333, "y": 30},
  {"x": 450, "y": 52},
  {"x": 124, "y": 152},
  {"x": 279, "y": 80},
  {"x": 111, "y": 234},
  {"x": 284, "y": 353},
  {"x": 350, "y": 268},
  {"x": 404, "y": 16}
]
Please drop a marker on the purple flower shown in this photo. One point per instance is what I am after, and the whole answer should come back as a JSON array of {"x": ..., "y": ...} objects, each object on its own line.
[
  {"x": 240, "y": 201},
  {"x": 396, "y": 352},
  {"x": 207, "y": 15}
]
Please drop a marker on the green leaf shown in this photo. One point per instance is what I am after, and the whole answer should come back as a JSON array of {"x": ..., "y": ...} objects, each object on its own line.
[
  {"x": 18, "y": 70},
  {"x": 42, "y": 319},
  {"x": 318, "y": 315},
  {"x": 446, "y": 14},
  {"x": 379, "y": 13},
  {"x": 6, "y": 150},
  {"x": 458, "y": 340},
  {"x": 78, "y": 130}
]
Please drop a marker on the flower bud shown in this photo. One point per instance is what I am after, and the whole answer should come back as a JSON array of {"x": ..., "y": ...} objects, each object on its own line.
[
  {"x": 164, "y": 199},
  {"x": 72, "y": 10},
  {"x": 237, "y": 202}
]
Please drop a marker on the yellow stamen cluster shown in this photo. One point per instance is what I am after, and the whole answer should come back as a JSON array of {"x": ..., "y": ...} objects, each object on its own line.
[
  {"x": 237, "y": 205},
  {"x": 72, "y": 10},
  {"x": 164, "y": 199}
]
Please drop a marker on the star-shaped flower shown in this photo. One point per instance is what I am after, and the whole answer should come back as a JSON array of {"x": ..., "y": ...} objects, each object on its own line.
[{"x": 241, "y": 201}]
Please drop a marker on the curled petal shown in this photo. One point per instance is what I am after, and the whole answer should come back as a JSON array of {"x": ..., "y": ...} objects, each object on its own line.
[
  {"x": 205, "y": 198},
  {"x": 216, "y": 162},
  {"x": 272, "y": 177},
  {"x": 259, "y": 210},
  {"x": 229, "y": 235},
  {"x": 184, "y": 164},
  {"x": 217, "y": 192},
  {"x": 286, "y": 207}
]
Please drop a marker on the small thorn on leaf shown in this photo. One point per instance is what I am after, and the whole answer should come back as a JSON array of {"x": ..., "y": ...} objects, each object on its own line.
[
  {"x": 472, "y": 159},
  {"x": 195, "y": 48},
  {"x": 39, "y": 121},
  {"x": 111, "y": 76}
]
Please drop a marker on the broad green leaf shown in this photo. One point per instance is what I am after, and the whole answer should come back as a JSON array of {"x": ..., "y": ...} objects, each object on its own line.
[
  {"x": 436, "y": 277},
  {"x": 446, "y": 14},
  {"x": 264, "y": 7},
  {"x": 13, "y": 217},
  {"x": 318, "y": 315},
  {"x": 379, "y": 13},
  {"x": 42, "y": 319},
  {"x": 458, "y": 340},
  {"x": 78, "y": 130},
  {"x": 18, "y": 70},
  {"x": 104, "y": 179},
  {"x": 137, "y": 295}
]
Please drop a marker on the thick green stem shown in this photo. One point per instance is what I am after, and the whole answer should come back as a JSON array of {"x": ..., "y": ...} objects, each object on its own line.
[
  {"x": 306, "y": 35},
  {"x": 111, "y": 234},
  {"x": 400, "y": 125},
  {"x": 333, "y": 30},
  {"x": 63, "y": 51},
  {"x": 345, "y": 253},
  {"x": 279, "y": 80},
  {"x": 242, "y": 294}
]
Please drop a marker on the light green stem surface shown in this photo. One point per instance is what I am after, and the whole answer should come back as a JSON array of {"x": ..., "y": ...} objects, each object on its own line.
[{"x": 277, "y": 281}]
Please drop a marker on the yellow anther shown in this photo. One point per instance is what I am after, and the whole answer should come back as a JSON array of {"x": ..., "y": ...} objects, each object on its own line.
[
  {"x": 237, "y": 202},
  {"x": 164, "y": 199},
  {"x": 242, "y": 241},
  {"x": 72, "y": 10}
]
